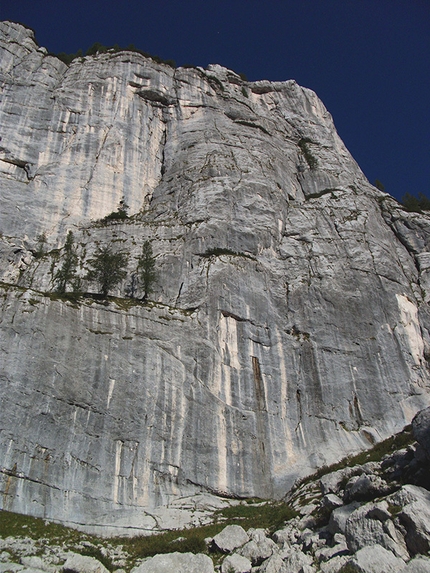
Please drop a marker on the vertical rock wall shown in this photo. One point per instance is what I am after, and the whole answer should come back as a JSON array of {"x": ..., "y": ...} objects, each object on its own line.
[{"x": 289, "y": 324}]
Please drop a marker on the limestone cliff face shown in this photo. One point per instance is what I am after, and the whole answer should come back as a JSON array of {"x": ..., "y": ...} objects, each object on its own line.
[{"x": 289, "y": 325}]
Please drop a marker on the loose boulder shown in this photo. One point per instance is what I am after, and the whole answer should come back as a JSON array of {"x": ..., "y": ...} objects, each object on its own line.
[
  {"x": 366, "y": 527},
  {"x": 415, "y": 517},
  {"x": 274, "y": 564},
  {"x": 77, "y": 563},
  {"x": 339, "y": 516},
  {"x": 373, "y": 559},
  {"x": 421, "y": 429},
  {"x": 177, "y": 563},
  {"x": 236, "y": 564},
  {"x": 417, "y": 565},
  {"x": 365, "y": 488},
  {"x": 296, "y": 561},
  {"x": 230, "y": 538}
]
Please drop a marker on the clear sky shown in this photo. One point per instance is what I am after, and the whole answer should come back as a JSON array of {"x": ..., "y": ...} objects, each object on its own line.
[{"x": 368, "y": 60}]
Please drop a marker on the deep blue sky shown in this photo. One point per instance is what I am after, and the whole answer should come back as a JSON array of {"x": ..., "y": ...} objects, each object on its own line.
[{"x": 368, "y": 60}]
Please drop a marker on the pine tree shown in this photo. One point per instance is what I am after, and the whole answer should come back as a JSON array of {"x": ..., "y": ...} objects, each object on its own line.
[
  {"x": 66, "y": 275},
  {"x": 146, "y": 270},
  {"x": 40, "y": 246},
  {"x": 108, "y": 268},
  {"x": 417, "y": 204}
]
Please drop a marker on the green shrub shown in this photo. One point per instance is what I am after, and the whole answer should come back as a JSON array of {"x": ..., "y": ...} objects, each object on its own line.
[
  {"x": 379, "y": 185},
  {"x": 415, "y": 204},
  {"x": 310, "y": 159},
  {"x": 120, "y": 214},
  {"x": 374, "y": 454},
  {"x": 68, "y": 58},
  {"x": 40, "y": 250},
  {"x": 98, "y": 48}
]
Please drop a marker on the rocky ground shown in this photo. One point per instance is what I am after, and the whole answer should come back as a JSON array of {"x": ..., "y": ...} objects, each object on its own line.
[{"x": 368, "y": 517}]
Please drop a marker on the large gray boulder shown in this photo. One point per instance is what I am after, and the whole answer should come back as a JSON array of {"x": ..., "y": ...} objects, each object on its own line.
[
  {"x": 177, "y": 563},
  {"x": 331, "y": 482},
  {"x": 296, "y": 561},
  {"x": 336, "y": 550},
  {"x": 259, "y": 547},
  {"x": 236, "y": 564},
  {"x": 230, "y": 538},
  {"x": 77, "y": 563},
  {"x": 289, "y": 534},
  {"x": 331, "y": 501},
  {"x": 339, "y": 517},
  {"x": 365, "y": 487},
  {"x": 415, "y": 517},
  {"x": 334, "y": 565},
  {"x": 35, "y": 562},
  {"x": 421, "y": 430},
  {"x": 371, "y": 525},
  {"x": 417, "y": 565},
  {"x": 373, "y": 559},
  {"x": 274, "y": 564}
]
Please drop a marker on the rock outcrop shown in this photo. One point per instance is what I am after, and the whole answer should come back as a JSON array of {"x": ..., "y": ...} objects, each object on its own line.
[{"x": 289, "y": 325}]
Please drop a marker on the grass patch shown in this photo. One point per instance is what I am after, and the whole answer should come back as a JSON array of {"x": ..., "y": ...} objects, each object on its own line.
[
  {"x": 72, "y": 297},
  {"x": 183, "y": 541},
  {"x": 250, "y": 513},
  {"x": 126, "y": 303},
  {"x": 394, "y": 509},
  {"x": 374, "y": 454},
  {"x": 388, "y": 446},
  {"x": 268, "y": 515},
  {"x": 97, "y": 553},
  {"x": 16, "y": 525}
]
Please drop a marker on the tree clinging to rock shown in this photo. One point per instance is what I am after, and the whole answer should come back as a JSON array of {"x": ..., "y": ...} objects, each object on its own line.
[{"x": 108, "y": 268}]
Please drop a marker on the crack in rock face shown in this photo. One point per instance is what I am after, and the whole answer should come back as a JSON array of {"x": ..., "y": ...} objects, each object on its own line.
[{"x": 288, "y": 324}]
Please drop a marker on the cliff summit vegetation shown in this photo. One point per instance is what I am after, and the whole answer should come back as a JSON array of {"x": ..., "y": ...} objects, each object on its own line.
[
  {"x": 416, "y": 204},
  {"x": 98, "y": 48}
]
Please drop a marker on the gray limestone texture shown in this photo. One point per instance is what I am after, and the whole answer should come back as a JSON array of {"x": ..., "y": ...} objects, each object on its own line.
[{"x": 289, "y": 325}]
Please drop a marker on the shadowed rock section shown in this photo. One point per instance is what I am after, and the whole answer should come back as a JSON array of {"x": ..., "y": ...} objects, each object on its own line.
[{"x": 289, "y": 325}]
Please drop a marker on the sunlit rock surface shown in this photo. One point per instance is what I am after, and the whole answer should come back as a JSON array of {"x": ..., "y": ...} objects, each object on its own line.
[{"x": 289, "y": 325}]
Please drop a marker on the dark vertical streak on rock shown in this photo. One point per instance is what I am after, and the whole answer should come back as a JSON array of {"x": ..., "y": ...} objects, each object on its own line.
[{"x": 261, "y": 422}]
